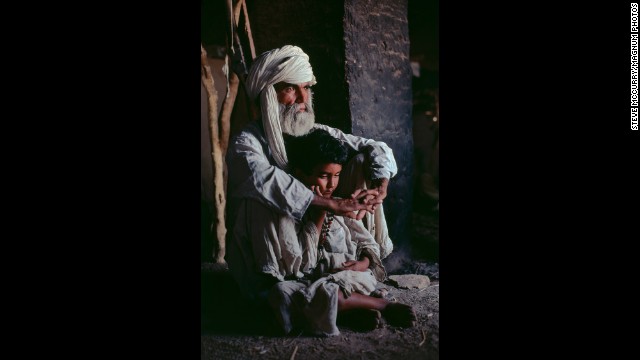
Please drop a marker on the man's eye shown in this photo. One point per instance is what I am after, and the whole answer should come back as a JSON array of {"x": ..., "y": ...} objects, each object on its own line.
[{"x": 288, "y": 89}]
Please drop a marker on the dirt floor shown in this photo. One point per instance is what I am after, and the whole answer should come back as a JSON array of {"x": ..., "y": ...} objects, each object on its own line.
[{"x": 232, "y": 329}]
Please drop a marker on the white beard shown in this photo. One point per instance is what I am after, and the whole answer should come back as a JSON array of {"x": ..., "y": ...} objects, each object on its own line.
[{"x": 296, "y": 123}]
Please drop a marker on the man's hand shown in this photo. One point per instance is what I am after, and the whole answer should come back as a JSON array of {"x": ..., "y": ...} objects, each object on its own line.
[
  {"x": 381, "y": 186},
  {"x": 366, "y": 197},
  {"x": 360, "y": 202},
  {"x": 347, "y": 207},
  {"x": 371, "y": 196}
]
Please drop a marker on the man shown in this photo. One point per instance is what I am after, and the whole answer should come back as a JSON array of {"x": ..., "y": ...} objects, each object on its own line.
[{"x": 263, "y": 199}]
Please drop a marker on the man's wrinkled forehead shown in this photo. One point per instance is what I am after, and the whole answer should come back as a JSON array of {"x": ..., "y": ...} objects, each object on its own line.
[{"x": 282, "y": 85}]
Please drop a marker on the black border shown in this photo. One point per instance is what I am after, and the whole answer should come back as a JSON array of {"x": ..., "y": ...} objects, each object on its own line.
[
  {"x": 115, "y": 221},
  {"x": 539, "y": 208},
  {"x": 539, "y": 179}
]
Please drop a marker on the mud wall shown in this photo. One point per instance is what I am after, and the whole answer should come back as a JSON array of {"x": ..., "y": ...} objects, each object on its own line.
[{"x": 378, "y": 72}]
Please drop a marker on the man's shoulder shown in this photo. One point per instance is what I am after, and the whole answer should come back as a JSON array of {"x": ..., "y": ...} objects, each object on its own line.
[
  {"x": 323, "y": 126},
  {"x": 251, "y": 131},
  {"x": 331, "y": 130}
]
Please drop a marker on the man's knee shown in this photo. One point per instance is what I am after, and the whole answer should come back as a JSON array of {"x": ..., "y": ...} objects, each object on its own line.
[
  {"x": 357, "y": 161},
  {"x": 283, "y": 291},
  {"x": 278, "y": 295},
  {"x": 352, "y": 176}
]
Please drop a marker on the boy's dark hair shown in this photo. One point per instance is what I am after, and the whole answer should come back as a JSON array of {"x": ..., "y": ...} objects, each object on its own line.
[{"x": 317, "y": 147}]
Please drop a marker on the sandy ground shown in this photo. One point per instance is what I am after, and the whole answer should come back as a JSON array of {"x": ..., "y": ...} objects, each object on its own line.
[
  {"x": 232, "y": 329},
  {"x": 420, "y": 342}
]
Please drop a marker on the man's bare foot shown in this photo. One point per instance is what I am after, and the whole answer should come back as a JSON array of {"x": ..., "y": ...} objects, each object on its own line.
[
  {"x": 401, "y": 315},
  {"x": 360, "y": 319}
]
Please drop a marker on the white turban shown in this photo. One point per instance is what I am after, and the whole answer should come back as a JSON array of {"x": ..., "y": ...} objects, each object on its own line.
[{"x": 286, "y": 64}]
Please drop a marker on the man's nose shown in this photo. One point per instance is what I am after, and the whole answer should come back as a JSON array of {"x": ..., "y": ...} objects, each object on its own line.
[{"x": 302, "y": 95}]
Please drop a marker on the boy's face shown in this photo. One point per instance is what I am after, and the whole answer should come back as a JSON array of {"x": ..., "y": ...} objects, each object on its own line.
[{"x": 324, "y": 176}]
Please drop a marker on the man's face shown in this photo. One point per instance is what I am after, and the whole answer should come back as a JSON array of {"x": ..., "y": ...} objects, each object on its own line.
[
  {"x": 325, "y": 176},
  {"x": 296, "y": 111},
  {"x": 289, "y": 94}
]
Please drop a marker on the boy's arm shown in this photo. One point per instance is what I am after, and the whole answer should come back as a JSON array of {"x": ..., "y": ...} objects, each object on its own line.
[
  {"x": 357, "y": 265},
  {"x": 366, "y": 248}
]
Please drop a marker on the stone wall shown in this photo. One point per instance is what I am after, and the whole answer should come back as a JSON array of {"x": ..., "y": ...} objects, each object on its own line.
[{"x": 378, "y": 73}]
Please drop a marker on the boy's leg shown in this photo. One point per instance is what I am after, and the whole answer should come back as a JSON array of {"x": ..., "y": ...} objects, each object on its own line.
[
  {"x": 360, "y": 301},
  {"x": 396, "y": 314},
  {"x": 360, "y": 312}
]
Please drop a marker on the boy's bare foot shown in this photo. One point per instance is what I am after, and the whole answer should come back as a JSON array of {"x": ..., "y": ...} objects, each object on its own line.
[
  {"x": 401, "y": 315},
  {"x": 380, "y": 293},
  {"x": 360, "y": 319}
]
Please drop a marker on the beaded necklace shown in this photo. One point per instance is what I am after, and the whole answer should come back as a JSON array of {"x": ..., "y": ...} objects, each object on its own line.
[
  {"x": 321, "y": 264},
  {"x": 326, "y": 225}
]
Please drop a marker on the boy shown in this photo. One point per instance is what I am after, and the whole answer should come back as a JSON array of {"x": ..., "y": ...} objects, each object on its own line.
[{"x": 336, "y": 262}]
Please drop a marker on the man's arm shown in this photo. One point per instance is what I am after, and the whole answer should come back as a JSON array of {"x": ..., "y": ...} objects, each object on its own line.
[
  {"x": 364, "y": 200},
  {"x": 252, "y": 176},
  {"x": 380, "y": 185},
  {"x": 380, "y": 157},
  {"x": 383, "y": 164}
]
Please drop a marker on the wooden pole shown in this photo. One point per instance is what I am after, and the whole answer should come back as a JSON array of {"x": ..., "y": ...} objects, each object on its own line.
[
  {"x": 236, "y": 12},
  {"x": 225, "y": 113},
  {"x": 219, "y": 194},
  {"x": 234, "y": 81},
  {"x": 247, "y": 28}
]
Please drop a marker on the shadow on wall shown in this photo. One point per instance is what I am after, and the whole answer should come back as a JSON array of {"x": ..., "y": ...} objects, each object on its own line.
[
  {"x": 426, "y": 128},
  {"x": 426, "y": 194}
]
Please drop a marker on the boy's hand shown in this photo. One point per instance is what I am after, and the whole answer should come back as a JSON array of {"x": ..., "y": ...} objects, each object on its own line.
[
  {"x": 356, "y": 265},
  {"x": 316, "y": 190}
]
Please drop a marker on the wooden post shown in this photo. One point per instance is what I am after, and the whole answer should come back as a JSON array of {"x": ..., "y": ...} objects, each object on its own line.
[
  {"x": 218, "y": 187},
  {"x": 225, "y": 113},
  {"x": 247, "y": 28},
  {"x": 234, "y": 80}
]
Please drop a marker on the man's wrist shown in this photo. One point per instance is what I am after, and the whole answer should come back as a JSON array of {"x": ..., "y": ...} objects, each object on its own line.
[
  {"x": 323, "y": 203},
  {"x": 379, "y": 181}
]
